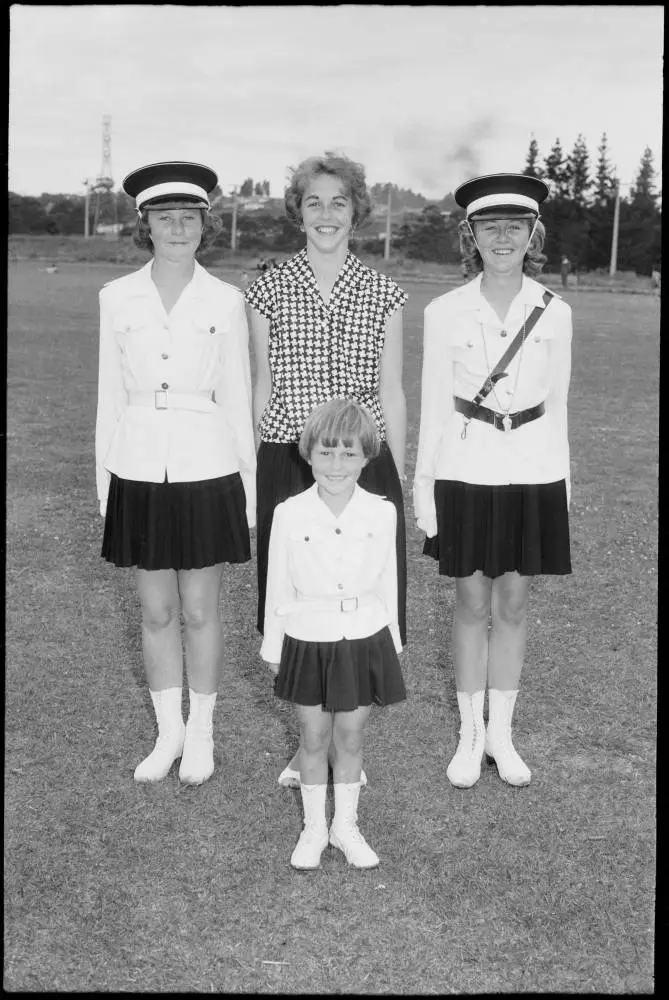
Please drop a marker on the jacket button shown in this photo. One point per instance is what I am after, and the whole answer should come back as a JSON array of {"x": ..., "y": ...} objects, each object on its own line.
[
  {"x": 164, "y": 356},
  {"x": 503, "y": 333},
  {"x": 337, "y": 531},
  {"x": 164, "y": 385},
  {"x": 212, "y": 329},
  {"x": 306, "y": 538},
  {"x": 340, "y": 586}
]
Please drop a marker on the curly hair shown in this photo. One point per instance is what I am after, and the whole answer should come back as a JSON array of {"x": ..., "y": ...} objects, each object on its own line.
[
  {"x": 351, "y": 174},
  {"x": 471, "y": 258},
  {"x": 211, "y": 227}
]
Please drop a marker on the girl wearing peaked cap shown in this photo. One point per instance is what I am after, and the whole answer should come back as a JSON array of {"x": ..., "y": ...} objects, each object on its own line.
[
  {"x": 492, "y": 484},
  {"x": 324, "y": 325},
  {"x": 175, "y": 456}
]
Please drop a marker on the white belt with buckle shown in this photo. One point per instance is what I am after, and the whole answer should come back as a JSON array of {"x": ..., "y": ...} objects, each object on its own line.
[
  {"x": 337, "y": 604},
  {"x": 165, "y": 399}
]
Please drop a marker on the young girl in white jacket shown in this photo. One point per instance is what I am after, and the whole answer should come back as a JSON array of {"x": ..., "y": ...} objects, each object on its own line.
[
  {"x": 175, "y": 457},
  {"x": 331, "y": 633}
]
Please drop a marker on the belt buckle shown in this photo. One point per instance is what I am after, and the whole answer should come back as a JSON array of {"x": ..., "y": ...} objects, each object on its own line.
[
  {"x": 345, "y": 604},
  {"x": 506, "y": 422},
  {"x": 160, "y": 399}
]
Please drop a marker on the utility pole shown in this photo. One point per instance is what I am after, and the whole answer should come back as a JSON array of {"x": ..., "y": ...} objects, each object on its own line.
[
  {"x": 614, "y": 242},
  {"x": 233, "y": 226},
  {"x": 87, "y": 199},
  {"x": 386, "y": 249}
]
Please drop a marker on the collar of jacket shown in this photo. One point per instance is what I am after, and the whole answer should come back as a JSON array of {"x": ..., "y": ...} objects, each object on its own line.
[
  {"x": 143, "y": 284},
  {"x": 360, "y": 497},
  {"x": 531, "y": 293}
]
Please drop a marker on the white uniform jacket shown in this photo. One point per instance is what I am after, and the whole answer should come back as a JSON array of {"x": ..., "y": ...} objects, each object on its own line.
[
  {"x": 463, "y": 341},
  {"x": 200, "y": 345},
  {"x": 317, "y": 557}
]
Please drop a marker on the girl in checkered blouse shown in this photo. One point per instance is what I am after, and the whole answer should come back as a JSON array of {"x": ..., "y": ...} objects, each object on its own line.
[{"x": 324, "y": 325}]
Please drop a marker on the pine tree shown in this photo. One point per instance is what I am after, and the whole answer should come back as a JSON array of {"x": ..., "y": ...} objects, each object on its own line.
[
  {"x": 580, "y": 170},
  {"x": 558, "y": 171},
  {"x": 605, "y": 181},
  {"x": 644, "y": 185},
  {"x": 532, "y": 168}
]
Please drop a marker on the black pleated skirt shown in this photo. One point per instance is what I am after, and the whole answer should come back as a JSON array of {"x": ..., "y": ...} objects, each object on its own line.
[
  {"x": 499, "y": 529},
  {"x": 340, "y": 676},
  {"x": 176, "y": 525},
  {"x": 282, "y": 473}
]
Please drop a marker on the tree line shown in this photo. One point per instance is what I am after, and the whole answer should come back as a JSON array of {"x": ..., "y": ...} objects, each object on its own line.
[{"x": 578, "y": 215}]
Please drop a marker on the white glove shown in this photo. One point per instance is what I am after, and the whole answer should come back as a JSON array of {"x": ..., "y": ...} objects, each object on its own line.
[{"x": 428, "y": 525}]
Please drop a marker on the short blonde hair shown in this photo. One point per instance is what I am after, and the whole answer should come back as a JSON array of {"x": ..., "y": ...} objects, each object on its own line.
[
  {"x": 471, "y": 258},
  {"x": 340, "y": 420}
]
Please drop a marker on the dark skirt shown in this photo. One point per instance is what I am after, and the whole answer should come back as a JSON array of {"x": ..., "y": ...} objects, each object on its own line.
[
  {"x": 340, "y": 676},
  {"x": 176, "y": 525},
  {"x": 282, "y": 473},
  {"x": 499, "y": 529}
]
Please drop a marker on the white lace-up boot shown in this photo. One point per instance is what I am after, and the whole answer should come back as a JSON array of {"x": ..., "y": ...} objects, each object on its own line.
[
  {"x": 498, "y": 745},
  {"x": 197, "y": 761},
  {"x": 171, "y": 729},
  {"x": 344, "y": 832},
  {"x": 465, "y": 767},
  {"x": 314, "y": 837}
]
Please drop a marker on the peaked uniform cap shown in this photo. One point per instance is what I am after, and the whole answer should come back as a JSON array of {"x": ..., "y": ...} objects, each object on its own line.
[
  {"x": 171, "y": 182},
  {"x": 493, "y": 195}
]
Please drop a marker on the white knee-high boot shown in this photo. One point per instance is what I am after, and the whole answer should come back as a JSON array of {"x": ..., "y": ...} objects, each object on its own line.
[
  {"x": 314, "y": 837},
  {"x": 197, "y": 761},
  {"x": 498, "y": 743},
  {"x": 465, "y": 767},
  {"x": 344, "y": 832},
  {"x": 169, "y": 745}
]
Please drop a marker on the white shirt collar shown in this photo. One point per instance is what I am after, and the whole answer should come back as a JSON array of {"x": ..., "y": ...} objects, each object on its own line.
[{"x": 531, "y": 293}]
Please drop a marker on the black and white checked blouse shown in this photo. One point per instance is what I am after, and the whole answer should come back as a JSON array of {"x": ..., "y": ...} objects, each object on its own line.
[{"x": 317, "y": 351}]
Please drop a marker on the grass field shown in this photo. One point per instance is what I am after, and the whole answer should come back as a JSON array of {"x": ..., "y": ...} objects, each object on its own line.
[{"x": 114, "y": 886}]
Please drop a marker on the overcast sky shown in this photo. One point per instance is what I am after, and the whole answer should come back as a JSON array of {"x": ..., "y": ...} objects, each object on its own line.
[{"x": 424, "y": 96}]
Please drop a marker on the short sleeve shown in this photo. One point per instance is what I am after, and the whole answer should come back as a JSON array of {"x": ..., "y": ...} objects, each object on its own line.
[
  {"x": 395, "y": 297},
  {"x": 261, "y": 295}
]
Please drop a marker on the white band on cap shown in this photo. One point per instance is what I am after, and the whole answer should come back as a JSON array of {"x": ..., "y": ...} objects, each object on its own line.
[
  {"x": 171, "y": 187},
  {"x": 492, "y": 200}
]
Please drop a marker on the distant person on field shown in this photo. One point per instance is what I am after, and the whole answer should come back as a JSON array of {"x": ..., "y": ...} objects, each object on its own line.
[
  {"x": 175, "y": 456},
  {"x": 565, "y": 268},
  {"x": 325, "y": 325},
  {"x": 331, "y": 634},
  {"x": 492, "y": 482}
]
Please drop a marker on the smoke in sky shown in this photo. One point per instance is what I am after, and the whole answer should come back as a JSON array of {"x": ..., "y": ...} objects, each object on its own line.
[{"x": 437, "y": 160}]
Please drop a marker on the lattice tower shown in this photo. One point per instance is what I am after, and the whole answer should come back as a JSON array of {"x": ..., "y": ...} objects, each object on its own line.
[{"x": 106, "y": 209}]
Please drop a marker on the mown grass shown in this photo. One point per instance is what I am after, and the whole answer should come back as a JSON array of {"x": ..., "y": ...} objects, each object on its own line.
[{"x": 112, "y": 886}]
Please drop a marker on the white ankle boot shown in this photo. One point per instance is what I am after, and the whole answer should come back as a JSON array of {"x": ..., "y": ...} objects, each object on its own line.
[
  {"x": 314, "y": 837},
  {"x": 344, "y": 832},
  {"x": 465, "y": 768},
  {"x": 197, "y": 761},
  {"x": 498, "y": 743},
  {"x": 169, "y": 745}
]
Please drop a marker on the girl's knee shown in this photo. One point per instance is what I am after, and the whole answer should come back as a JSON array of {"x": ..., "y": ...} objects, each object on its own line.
[
  {"x": 315, "y": 739},
  {"x": 473, "y": 610},
  {"x": 159, "y": 616},
  {"x": 511, "y": 611},
  {"x": 199, "y": 616}
]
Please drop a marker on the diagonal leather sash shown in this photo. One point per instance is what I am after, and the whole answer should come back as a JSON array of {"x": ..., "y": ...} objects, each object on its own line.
[{"x": 498, "y": 371}]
